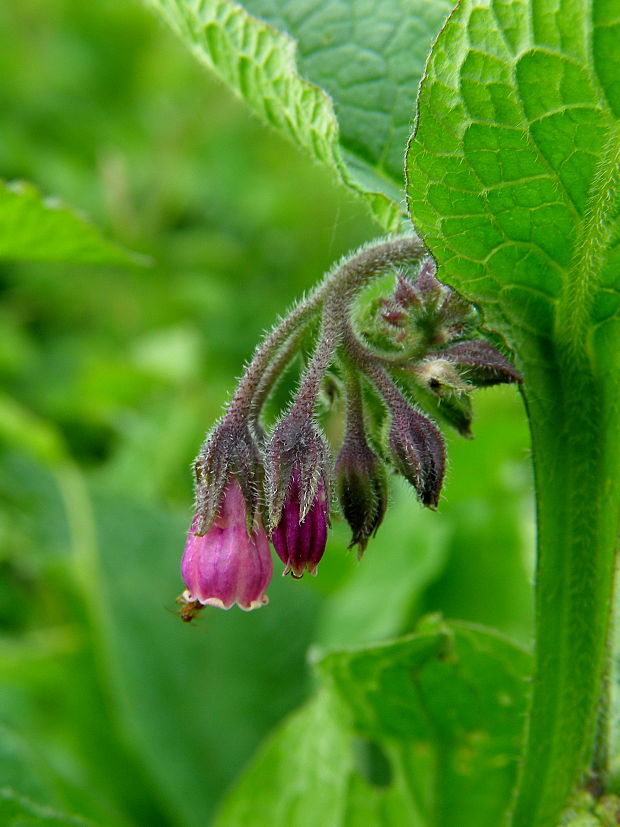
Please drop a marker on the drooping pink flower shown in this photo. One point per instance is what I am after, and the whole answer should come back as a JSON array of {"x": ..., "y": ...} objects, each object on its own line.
[
  {"x": 226, "y": 565},
  {"x": 300, "y": 544}
]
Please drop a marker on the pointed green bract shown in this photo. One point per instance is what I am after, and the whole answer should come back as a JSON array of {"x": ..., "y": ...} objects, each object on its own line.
[
  {"x": 35, "y": 228},
  {"x": 513, "y": 179},
  {"x": 421, "y": 731},
  {"x": 338, "y": 79}
]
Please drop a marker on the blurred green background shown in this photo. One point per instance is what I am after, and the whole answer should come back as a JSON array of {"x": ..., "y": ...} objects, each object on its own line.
[{"x": 110, "y": 707}]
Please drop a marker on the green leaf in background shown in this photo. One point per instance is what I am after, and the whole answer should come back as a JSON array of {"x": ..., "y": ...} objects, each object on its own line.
[
  {"x": 423, "y": 731},
  {"x": 339, "y": 79},
  {"x": 24, "y": 799},
  {"x": 513, "y": 182},
  {"x": 17, "y": 811},
  {"x": 43, "y": 229}
]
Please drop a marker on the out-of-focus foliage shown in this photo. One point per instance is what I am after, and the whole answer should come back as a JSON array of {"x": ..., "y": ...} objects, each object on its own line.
[
  {"x": 424, "y": 730},
  {"x": 44, "y": 229},
  {"x": 111, "y": 708}
]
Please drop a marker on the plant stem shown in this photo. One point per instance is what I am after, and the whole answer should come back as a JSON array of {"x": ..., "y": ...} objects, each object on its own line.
[
  {"x": 337, "y": 288},
  {"x": 576, "y": 444}
]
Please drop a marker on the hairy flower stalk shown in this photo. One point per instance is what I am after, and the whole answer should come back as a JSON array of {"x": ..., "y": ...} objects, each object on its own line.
[{"x": 251, "y": 485}]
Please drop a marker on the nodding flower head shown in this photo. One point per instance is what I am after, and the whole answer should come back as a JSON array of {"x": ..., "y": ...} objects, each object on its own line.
[
  {"x": 418, "y": 452},
  {"x": 300, "y": 540},
  {"x": 226, "y": 565},
  {"x": 362, "y": 489},
  {"x": 251, "y": 484}
]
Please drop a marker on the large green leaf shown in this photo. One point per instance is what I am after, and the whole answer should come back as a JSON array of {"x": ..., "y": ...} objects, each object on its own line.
[
  {"x": 43, "y": 229},
  {"x": 513, "y": 179},
  {"x": 513, "y": 166},
  {"x": 422, "y": 731},
  {"x": 339, "y": 79}
]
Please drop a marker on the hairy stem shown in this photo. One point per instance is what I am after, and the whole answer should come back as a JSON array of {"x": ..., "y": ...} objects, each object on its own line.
[
  {"x": 337, "y": 288},
  {"x": 267, "y": 350},
  {"x": 355, "y": 428},
  {"x": 272, "y": 374},
  {"x": 338, "y": 291},
  {"x": 329, "y": 339},
  {"x": 576, "y": 443}
]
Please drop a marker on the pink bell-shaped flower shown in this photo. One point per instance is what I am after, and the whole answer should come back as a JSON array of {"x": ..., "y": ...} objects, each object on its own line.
[{"x": 226, "y": 565}]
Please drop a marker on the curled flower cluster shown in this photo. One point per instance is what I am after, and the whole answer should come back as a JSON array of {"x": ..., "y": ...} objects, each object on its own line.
[{"x": 415, "y": 350}]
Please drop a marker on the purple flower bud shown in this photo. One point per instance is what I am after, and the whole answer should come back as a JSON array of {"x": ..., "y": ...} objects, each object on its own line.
[
  {"x": 226, "y": 565},
  {"x": 426, "y": 283},
  {"x": 296, "y": 450},
  {"x": 393, "y": 312},
  {"x": 405, "y": 293},
  {"x": 484, "y": 363},
  {"x": 418, "y": 451},
  {"x": 300, "y": 540},
  {"x": 362, "y": 489}
]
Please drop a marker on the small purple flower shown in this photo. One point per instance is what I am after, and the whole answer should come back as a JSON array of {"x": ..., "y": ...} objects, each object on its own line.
[
  {"x": 300, "y": 543},
  {"x": 226, "y": 565}
]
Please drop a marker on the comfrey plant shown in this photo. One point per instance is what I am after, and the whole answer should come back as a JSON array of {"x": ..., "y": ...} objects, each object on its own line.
[{"x": 419, "y": 349}]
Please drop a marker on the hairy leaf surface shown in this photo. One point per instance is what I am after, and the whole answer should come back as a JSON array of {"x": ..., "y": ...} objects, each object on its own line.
[
  {"x": 513, "y": 166},
  {"x": 338, "y": 78}
]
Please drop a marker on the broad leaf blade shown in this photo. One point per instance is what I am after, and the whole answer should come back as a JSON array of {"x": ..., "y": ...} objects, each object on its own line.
[
  {"x": 42, "y": 229},
  {"x": 514, "y": 177},
  {"x": 513, "y": 166},
  {"x": 338, "y": 79},
  {"x": 421, "y": 731}
]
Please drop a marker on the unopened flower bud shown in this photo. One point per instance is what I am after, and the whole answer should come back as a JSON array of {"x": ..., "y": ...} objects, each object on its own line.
[
  {"x": 300, "y": 540},
  {"x": 418, "y": 451},
  {"x": 226, "y": 565},
  {"x": 405, "y": 293},
  {"x": 362, "y": 489},
  {"x": 481, "y": 363},
  {"x": 393, "y": 312},
  {"x": 426, "y": 284}
]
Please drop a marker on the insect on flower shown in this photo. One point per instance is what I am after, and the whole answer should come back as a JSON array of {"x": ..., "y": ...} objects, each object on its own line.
[{"x": 188, "y": 609}]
